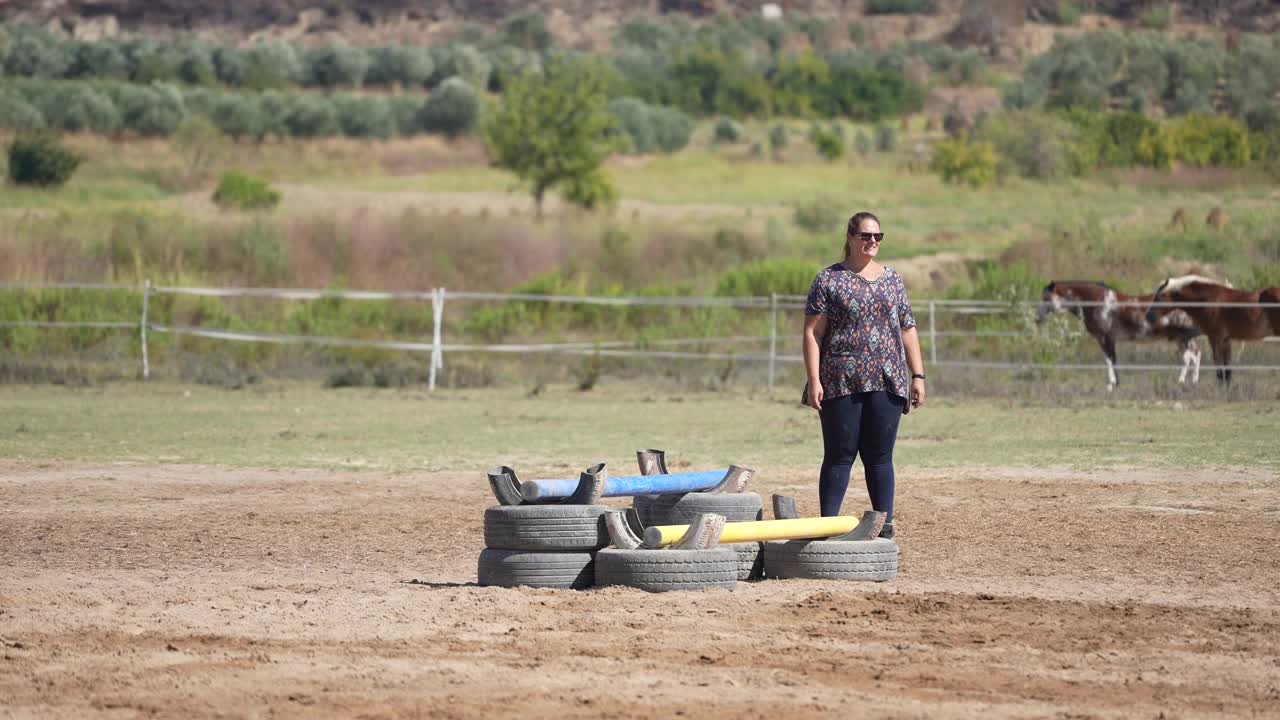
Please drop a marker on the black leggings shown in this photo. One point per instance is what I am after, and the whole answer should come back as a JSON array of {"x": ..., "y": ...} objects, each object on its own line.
[{"x": 865, "y": 423}]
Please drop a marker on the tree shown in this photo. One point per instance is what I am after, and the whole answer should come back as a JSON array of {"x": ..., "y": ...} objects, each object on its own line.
[{"x": 554, "y": 131}]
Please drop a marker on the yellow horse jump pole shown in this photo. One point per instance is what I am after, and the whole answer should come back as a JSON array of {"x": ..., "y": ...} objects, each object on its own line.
[{"x": 759, "y": 530}]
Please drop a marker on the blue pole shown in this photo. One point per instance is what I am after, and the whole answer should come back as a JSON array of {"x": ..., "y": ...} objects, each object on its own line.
[{"x": 626, "y": 485}]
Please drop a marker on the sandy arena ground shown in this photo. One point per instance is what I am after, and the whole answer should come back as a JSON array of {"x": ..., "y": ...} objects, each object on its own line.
[{"x": 130, "y": 590}]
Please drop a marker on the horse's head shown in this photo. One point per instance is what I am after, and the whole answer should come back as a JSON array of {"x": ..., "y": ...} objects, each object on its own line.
[{"x": 1050, "y": 301}]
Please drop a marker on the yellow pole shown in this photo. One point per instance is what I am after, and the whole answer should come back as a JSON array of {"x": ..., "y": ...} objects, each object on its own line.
[{"x": 760, "y": 530}]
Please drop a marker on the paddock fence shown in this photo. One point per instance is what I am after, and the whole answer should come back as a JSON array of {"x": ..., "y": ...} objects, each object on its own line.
[{"x": 953, "y": 333}]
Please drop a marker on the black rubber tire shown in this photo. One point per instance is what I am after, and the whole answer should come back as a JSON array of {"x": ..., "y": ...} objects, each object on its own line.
[
  {"x": 509, "y": 568},
  {"x": 662, "y": 570},
  {"x": 682, "y": 509},
  {"x": 750, "y": 559},
  {"x": 875, "y": 560},
  {"x": 546, "y": 527}
]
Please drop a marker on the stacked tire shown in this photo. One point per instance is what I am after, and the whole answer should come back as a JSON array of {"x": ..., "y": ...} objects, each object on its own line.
[
  {"x": 550, "y": 546},
  {"x": 872, "y": 560},
  {"x": 682, "y": 509}
]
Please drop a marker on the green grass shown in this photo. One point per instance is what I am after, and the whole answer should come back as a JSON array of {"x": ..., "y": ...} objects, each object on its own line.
[{"x": 561, "y": 430}]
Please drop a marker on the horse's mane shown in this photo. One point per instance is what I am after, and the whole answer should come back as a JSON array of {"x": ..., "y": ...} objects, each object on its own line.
[
  {"x": 1099, "y": 283},
  {"x": 1178, "y": 283}
]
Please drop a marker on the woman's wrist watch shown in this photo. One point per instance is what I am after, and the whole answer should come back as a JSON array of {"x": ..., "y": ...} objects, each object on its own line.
[{"x": 915, "y": 376}]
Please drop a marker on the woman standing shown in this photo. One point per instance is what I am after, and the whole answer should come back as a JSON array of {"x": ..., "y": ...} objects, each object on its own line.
[{"x": 862, "y": 357}]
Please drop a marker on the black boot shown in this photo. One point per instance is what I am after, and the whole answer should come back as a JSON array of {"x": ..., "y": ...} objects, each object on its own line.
[{"x": 887, "y": 531}]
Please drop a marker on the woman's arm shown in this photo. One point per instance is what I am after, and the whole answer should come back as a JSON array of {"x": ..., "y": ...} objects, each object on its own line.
[
  {"x": 815, "y": 327},
  {"x": 915, "y": 362}
]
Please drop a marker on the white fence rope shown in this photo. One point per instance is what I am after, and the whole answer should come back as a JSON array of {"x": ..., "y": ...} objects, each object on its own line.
[{"x": 633, "y": 349}]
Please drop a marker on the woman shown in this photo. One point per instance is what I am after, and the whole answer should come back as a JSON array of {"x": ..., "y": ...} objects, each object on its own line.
[{"x": 862, "y": 357}]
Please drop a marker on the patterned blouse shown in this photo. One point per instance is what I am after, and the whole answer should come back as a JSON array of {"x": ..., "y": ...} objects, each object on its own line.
[{"x": 862, "y": 350}]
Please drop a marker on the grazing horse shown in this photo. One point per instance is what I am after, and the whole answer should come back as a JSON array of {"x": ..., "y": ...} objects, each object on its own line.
[
  {"x": 1220, "y": 324},
  {"x": 1109, "y": 315}
]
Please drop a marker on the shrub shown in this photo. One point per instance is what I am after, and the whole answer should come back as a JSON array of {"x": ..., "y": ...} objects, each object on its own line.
[
  {"x": 1067, "y": 13},
  {"x": 35, "y": 53},
  {"x": 237, "y": 115},
  {"x": 311, "y": 116},
  {"x": 821, "y": 215},
  {"x": 726, "y": 130},
  {"x": 777, "y": 137},
  {"x": 41, "y": 160},
  {"x": 899, "y": 7},
  {"x": 1156, "y": 16},
  {"x": 965, "y": 163},
  {"x": 672, "y": 127},
  {"x": 270, "y": 64},
  {"x": 242, "y": 191},
  {"x": 98, "y": 59},
  {"x": 1036, "y": 145},
  {"x": 463, "y": 61},
  {"x": 195, "y": 64},
  {"x": 828, "y": 144},
  {"x": 527, "y": 30},
  {"x": 453, "y": 109},
  {"x": 1204, "y": 140},
  {"x": 510, "y": 62},
  {"x": 405, "y": 110},
  {"x": 18, "y": 114},
  {"x": 785, "y": 276},
  {"x": 200, "y": 143},
  {"x": 409, "y": 65},
  {"x": 229, "y": 64},
  {"x": 635, "y": 119},
  {"x": 75, "y": 107},
  {"x": 364, "y": 117},
  {"x": 150, "y": 111},
  {"x": 886, "y": 138},
  {"x": 336, "y": 64}
]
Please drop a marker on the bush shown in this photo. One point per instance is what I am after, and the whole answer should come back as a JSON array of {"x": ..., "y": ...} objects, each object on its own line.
[
  {"x": 405, "y": 110},
  {"x": 195, "y": 64},
  {"x": 463, "y": 61},
  {"x": 453, "y": 109},
  {"x": 74, "y": 108},
  {"x": 32, "y": 52},
  {"x": 820, "y": 215},
  {"x": 726, "y": 130},
  {"x": 1067, "y": 13},
  {"x": 364, "y": 117},
  {"x": 336, "y": 64},
  {"x": 527, "y": 30},
  {"x": 635, "y": 119},
  {"x": 785, "y": 276},
  {"x": 777, "y": 137},
  {"x": 150, "y": 111},
  {"x": 18, "y": 114},
  {"x": 98, "y": 59},
  {"x": 1208, "y": 140},
  {"x": 899, "y": 7},
  {"x": 1157, "y": 16},
  {"x": 965, "y": 163},
  {"x": 1036, "y": 145},
  {"x": 243, "y": 191},
  {"x": 237, "y": 115},
  {"x": 270, "y": 64},
  {"x": 409, "y": 65},
  {"x": 828, "y": 143},
  {"x": 311, "y": 116},
  {"x": 886, "y": 138},
  {"x": 41, "y": 160},
  {"x": 672, "y": 127}
]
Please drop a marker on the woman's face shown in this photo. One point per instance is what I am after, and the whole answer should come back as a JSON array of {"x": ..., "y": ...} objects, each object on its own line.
[{"x": 864, "y": 245}]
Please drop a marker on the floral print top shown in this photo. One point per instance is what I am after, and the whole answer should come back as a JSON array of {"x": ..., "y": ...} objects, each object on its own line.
[{"x": 862, "y": 350}]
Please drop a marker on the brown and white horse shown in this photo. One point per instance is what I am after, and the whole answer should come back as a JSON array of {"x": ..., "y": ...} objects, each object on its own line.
[
  {"x": 1220, "y": 324},
  {"x": 1109, "y": 315}
]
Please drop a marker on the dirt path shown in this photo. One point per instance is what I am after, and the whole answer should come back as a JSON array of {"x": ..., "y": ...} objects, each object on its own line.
[{"x": 128, "y": 590}]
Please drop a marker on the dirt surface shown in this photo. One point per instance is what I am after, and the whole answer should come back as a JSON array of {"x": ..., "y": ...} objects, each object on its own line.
[{"x": 129, "y": 590}]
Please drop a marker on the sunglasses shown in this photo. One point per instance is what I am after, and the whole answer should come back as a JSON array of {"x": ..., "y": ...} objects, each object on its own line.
[{"x": 865, "y": 236}]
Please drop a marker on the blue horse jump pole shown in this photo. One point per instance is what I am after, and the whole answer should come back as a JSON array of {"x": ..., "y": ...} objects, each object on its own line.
[{"x": 534, "y": 490}]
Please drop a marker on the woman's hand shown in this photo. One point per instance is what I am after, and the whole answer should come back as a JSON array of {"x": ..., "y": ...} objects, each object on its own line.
[
  {"x": 815, "y": 395},
  {"x": 917, "y": 392}
]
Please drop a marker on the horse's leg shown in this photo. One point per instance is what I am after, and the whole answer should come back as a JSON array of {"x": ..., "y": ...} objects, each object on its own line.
[
  {"x": 1193, "y": 347},
  {"x": 1108, "y": 344},
  {"x": 1222, "y": 358},
  {"x": 1185, "y": 346}
]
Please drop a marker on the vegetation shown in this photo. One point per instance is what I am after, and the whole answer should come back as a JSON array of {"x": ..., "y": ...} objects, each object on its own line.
[
  {"x": 554, "y": 132},
  {"x": 242, "y": 191},
  {"x": 40, "y": 159}
]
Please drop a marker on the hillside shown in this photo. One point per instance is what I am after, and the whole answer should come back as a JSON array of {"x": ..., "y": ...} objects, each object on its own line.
[{"x": 578, "y": 23}]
